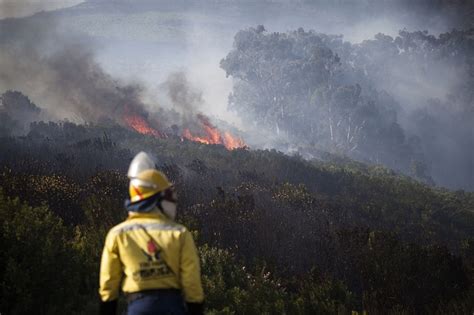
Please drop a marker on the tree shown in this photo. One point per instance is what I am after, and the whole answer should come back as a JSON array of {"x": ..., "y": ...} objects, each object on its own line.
[{"x": 296, "y": 84}]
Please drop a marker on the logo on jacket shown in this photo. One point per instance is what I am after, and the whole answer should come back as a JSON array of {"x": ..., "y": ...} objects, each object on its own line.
[
  {"x": 152, "y": 251},
  {"x": 155, "y": 266}
]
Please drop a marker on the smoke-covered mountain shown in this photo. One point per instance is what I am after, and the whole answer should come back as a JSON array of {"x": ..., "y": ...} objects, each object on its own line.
[
  {"x": 399, "y": 98},
  {"x": 405, "y": 102}
]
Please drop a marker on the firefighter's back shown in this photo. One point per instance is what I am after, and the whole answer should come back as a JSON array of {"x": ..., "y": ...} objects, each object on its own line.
[{"x": 149, "y": 256}]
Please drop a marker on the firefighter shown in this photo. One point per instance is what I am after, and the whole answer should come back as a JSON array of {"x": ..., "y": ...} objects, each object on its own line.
[{"x": 152, "y": 258}]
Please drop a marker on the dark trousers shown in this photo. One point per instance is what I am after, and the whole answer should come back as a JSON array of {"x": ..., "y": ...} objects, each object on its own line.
[{"x": 159, "y": 302}]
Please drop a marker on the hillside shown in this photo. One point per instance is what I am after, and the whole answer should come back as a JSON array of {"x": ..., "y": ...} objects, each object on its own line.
[{"x": 340, "y": 229}]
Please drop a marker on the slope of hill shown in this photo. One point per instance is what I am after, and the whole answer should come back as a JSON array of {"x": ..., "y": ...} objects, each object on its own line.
[{"x": 379, "y": 239}]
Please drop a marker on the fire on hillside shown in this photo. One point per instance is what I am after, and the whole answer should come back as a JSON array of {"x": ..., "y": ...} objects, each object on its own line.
[
  {"x": 207, "y": 133},
  {"x": 211, "y": 135}
]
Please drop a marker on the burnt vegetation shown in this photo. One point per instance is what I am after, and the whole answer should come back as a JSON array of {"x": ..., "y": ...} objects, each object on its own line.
[{"x": 277, "y": 234}]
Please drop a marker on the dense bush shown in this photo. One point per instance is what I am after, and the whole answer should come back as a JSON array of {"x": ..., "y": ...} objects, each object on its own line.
[
  {"x": 44, "y": 263},
  {"x": 277, "y": 234},
  {"x": 39, "y": 268}
]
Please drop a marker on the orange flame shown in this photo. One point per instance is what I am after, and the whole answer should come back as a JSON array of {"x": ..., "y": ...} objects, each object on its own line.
[
  {"x": 140, "y": 125},
  {"x": 232, "y": 142},
  {"x": 214, "y": 136},
  {"x": 211, "y": 134}
]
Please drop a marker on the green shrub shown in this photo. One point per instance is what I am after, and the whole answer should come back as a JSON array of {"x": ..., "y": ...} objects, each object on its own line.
[{"x": 38, "y": 265}]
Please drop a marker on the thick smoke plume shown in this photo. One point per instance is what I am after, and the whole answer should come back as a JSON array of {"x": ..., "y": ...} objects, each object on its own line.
[
  {"x": 185, "y": 99},
  {"x": 59, "y": 72}
]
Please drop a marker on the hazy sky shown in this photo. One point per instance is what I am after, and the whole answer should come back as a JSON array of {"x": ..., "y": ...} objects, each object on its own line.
[{"x": 19, "y": 8}]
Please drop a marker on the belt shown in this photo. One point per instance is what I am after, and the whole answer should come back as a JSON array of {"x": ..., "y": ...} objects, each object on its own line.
[{"x": 155, "y": 292}]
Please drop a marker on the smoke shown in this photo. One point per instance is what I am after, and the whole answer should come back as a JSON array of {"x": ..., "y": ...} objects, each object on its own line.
[
  {"x": 69, "y": 76},
  {"x": 58, "y": 71},
  {"x": 353, "y": 106},
  {"x": 205, "y": 47},
  {"x": 191, "y": 120},
  {"x": 184, "y": 98}
]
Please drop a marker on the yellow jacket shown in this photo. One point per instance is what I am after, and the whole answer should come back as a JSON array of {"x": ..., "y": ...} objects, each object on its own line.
[{"x": 149, "y": 251}]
